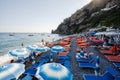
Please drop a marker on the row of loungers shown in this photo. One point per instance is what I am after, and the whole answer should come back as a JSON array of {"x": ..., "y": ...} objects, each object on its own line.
[
  {"x": 90, "y": 62},
  {"x": 110, "y": 74},
  {"x": 112, "y": 55},
  {"x": 84, "y": 62}
]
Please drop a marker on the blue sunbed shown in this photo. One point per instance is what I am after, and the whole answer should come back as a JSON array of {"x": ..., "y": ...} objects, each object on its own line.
[
  {"x": 105, "y": 76},
  {"x": 67, "y": 64},
  {"x": 117, "y": 78},
  {"x": 30, "y": 71},
  {"x": 34, "y": 65},
  {"x": 63, "y": 57},
  {"x": 88, "y": 65},
  {"x": 111, "y": 70},
  {"x": 27, "y": 77},
  {"x": 61, "y": 61},
  {"x": 116, "y": 64},
  {"x": 42, "y": 61},
  {"x": 85, "y": 60}
]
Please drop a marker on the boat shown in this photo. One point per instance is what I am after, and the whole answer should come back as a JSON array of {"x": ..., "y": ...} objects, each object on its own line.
[
  {"x": 11, "y": 35},
  {"x": 30, "y": 35}
]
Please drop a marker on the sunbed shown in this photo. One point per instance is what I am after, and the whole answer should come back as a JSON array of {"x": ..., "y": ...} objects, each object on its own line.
[
  {"x": 113, "y": 58},
  {"x": 111, "y": 70},
  {"x": 110, "y": 74},
  {"x": 67, "y": 64},
  {"x": 85, "y": 60},
  {"x": 116, "y": 64},
  {"x": 30, "y": 71},
  {"x": 88, "y": 65},
  {"x": 27, "y": 77},
  {"x": 105, "y": 76},
  {"x": 111, "y": 51}
]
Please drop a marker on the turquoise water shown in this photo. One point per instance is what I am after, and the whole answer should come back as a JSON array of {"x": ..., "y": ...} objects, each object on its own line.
[{"x": 8, "y": 42}]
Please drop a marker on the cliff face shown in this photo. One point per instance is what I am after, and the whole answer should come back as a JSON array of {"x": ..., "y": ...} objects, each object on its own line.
[{"x": 103, "y": 12}]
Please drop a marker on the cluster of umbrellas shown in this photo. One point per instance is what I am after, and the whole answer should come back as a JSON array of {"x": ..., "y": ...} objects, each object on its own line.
[{"x": 49, "y": 71}]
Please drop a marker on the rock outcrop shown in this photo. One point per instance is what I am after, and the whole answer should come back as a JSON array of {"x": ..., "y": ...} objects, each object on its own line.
[{"x": 97, "y": 12}]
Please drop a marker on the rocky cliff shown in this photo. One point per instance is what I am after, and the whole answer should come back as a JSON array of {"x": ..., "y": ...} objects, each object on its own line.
[{"x": 97, "y": 12}]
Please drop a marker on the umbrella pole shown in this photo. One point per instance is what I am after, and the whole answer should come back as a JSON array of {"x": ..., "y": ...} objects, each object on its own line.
[{"x": 51, "y": 57}]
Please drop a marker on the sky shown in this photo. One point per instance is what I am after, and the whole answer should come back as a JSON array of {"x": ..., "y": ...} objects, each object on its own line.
[{"x": 36, "y": 15}]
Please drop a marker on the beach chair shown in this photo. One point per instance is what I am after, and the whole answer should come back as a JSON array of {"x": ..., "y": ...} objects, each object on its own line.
[
  {"x": 111, "y": 51},
  {"x": 63, "y": 57},
  {"x": 67, "y": 64},
  {"x": 85, "y": 60},
  {"x": 27, "y": 77},
  {"x": 30, "y": 71},
  {"x": 117, "y": 78},
  {"x": 43, "y": 61},
  {"x": 88, "y": 65},
  {"x": 113, "y": 58},
  {"x": 110, "y": 74},
  {"x": 61, "y": 61},
  {"x": 105, "y": 76},
  {"x": 35, "y": 65},
  {"x": 116, "y": 64},
  {"x": 111, "y": 70}
]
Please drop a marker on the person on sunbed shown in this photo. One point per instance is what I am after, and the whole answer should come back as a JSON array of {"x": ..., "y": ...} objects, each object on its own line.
[{"x": 81, "y": 54}]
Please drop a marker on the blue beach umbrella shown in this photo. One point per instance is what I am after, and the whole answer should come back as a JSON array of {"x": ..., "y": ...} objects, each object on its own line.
[
  {"x": 19, "y": 53},
  {"x": 31, "y": 47},
  {"x": 57, "y": 49},
  {"x": 55, "y": 71},
  {"x": 11, "y": 71},
  {"x": 42, "y": 49}
]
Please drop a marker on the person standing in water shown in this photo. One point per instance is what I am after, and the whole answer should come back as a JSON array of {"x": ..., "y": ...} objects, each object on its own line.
[{"x": 22, "y": 44}]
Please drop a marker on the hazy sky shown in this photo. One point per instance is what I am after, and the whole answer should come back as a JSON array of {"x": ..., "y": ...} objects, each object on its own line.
[{"x": 36, "y": 15}]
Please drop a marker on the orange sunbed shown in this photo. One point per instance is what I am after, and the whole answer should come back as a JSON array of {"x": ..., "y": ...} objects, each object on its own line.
[
  {"x": 63, "y": 43},
  {"x": 63, "y": 53}
]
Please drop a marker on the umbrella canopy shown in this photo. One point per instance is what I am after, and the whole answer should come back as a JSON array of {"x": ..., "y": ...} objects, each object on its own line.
[
  {"x": 111, "y": 33},
  {"x": 42, "y": 49},
  {"x": 31, "y": 47},
  {"x": 55, "y": 71},
  {"x": 19, "y": 53},
  {"x": 57, "y": 49},
  {"x": 100, "y": 33},
  {"x": 11, "y": 71}
]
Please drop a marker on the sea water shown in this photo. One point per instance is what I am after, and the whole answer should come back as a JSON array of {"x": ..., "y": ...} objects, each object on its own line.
[{"x": 10, "y": 41}]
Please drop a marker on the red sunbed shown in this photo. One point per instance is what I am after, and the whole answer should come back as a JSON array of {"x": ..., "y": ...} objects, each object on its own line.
[
  {"x": 111, "y": 51},
  {"x": 113, "y": 58}
]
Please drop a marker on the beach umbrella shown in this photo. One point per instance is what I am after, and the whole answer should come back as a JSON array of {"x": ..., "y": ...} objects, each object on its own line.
[
  {"x": 111, "y": 34},
  {"x": 19, "y": 53},
  {"x": 11, "y": 71},
  {"x": 57, "y": 49},
  {"x": 100, "y": 33},
  {"x": 42, "y": 49},
  {"x": 54, "y": 71},
  {"x": 31, "y": 47}
]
